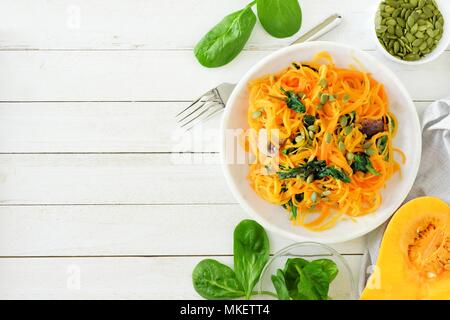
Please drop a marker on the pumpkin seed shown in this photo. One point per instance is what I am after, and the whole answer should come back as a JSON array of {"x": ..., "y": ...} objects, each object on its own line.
[
  {"x": 310, "y": 178},
  {"x": 427, "y": 11},
  {"x": 326, "y": 193},
  {"x": 417, "y": 42},
  {"x": 396, "y": 13},
  {"x": 314, "y": 196},
  {"x": 400, "y": 22},
  {"x": 323, "y": 83},
  {"x": 341, "y": 147},
  {"x": 419, "y": 34},
  {"x": 346, "y": 98},
  {"x": 422, "y": 22},
  {"x": 391, "y": 30},
  {"x": 327, "y": 137},
  {"x": 324, "y": 98},
  {"x": 312, "y": 128},
  {"x": 299, "y": 139},
  {"x": 410, "y": 21},
  {"x": 389, "y": 9},
  {"x": 256, "y": 114},
  {"x": 396, "y": 47},
  {"x": 410, "y": 37},
  {"x": 430, "y": 32},
  {"x": 367, "y": 145},
  {"x": 348, "y": 130},
  {"x": 423, "y": 46},
  {"x": 414, "y": 28},
  {"x": 370, "y": 152},
  {"x": 343, "y": 121},
  {"x": 311, "y": 134},
  {"x": 422, "y": 28},
  {"x": 412, "y": 57},
  {"x": 350, "y": 156},
  {"x": 391, "y": 22},
  {"x": 402, "y": 13}
]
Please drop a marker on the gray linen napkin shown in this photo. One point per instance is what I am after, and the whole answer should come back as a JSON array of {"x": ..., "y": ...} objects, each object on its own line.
[{"x": 433, "y": 178}]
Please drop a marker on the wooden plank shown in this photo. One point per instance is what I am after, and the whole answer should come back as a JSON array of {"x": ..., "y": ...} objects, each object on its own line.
[
  {"x": 112, "y": 179},
  {"x": 105, "y": 278},
  {"x": 101, "y": 127},
  {"x": 153, "y": 24},
  {"x": 127, "y": 230},
  {"x": 155, "y": 75},
  {"x": 104, "y": 127}
]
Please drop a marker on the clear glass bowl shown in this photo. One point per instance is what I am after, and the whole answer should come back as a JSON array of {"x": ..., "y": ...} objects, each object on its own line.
[{"x": 343, "y": 286}]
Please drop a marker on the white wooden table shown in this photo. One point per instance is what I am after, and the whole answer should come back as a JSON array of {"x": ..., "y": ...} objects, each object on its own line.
[{"x": 92, "y": 204}]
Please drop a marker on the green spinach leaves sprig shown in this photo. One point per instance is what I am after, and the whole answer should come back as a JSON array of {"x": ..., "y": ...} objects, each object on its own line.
[
  {"x": 304, "y": 280},
  {"x": 316, "y": 169},
  {"x": 361, "y": 162},
  {"x": 299, "y": 280},
  {"x": 214, "y": 280},
  {"x": 293, "y": 101},
  {"x": 280, "y": 18}
]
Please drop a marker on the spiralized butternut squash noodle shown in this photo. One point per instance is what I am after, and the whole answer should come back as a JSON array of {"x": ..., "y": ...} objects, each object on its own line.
[{"x": 329, "y": 141}]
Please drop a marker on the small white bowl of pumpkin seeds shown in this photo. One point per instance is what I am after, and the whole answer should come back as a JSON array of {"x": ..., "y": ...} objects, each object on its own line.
[{"x": 412, "y": 31}]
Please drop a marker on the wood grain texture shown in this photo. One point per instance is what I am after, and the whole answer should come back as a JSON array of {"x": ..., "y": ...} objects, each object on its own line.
[
  {"x": 155, "y": 230},
  {"x": 100, "y": 127},
  {"x": 158, "y": 25},
  {"x": 89, "y": 152},
  {"x": 105, "y": 278},
  {"x": 112, "y": 179},
  {"x": 156, "y": 75}
]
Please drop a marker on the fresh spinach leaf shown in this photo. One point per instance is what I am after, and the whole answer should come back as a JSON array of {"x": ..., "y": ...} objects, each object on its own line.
[
  {"x": 314, "y": 284},
  {"x": 305, "y": 280},
  {"x": 309, "y": 120},
  {"x": 214, "y": 280},
  {"x": 251, "y": 253},
  {"x": 293, "y": 101},
  {"x": 311, "y": 167},
  {"x": 280, "y": 285},
  {"x": 280, "y": 18},
  {"x": 335, "y": 173},
  {"x": 382, "y": 143},
  {"x": 227, "y": 39},
  {"x": 328, "y": 266},
  {"x": 292, "y": 275},
  {"x": 361, "y": 162},
  {"x": 291, "y": 207},
  {"x": 317, "y": 168}
]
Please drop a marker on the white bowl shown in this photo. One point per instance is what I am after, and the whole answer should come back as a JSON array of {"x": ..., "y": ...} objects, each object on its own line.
[
  {"x": 444, "y": 7},
  {"x": 274, "y": 217}
]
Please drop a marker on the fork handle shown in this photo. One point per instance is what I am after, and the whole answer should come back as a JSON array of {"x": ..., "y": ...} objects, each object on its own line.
[{"x": 322, "y": 28}]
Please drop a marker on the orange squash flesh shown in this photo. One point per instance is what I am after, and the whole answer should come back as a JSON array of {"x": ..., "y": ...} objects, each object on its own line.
[{"x": 414, "y": 258}]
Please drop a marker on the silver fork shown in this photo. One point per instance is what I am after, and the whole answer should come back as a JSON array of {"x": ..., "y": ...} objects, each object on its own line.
[{"x": 214, "y": 100}]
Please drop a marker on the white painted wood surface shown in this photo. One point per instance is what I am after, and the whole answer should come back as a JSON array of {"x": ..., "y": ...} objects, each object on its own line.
[
  {"x": 105, "y": 278},
  {"x": 91, "y": 178}
]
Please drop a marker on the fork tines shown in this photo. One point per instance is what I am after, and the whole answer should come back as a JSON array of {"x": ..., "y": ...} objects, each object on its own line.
[{"x": 201, "y": 109}]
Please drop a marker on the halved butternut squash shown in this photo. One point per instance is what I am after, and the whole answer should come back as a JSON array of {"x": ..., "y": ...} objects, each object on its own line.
[{"x": 414, "y": 258}]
